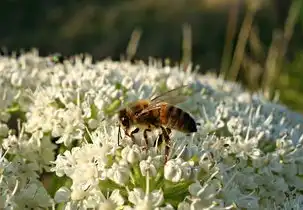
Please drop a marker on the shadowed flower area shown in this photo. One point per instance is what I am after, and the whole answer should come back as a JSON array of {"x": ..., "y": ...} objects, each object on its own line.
[{"x": 58, "y": 132}]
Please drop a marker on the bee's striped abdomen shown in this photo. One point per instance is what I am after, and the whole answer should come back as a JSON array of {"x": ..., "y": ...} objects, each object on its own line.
[
  {"x": 189, "y": 124},
  {"x": 173, "y": 116},
  {"x": 179, "y": 120}
]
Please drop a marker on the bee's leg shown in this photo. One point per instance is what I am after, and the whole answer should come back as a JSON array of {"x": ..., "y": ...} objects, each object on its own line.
[
  {"x": 132, "y": 134},
  {"x": 168, "y": 131},
  {"x": 145, "y": 135},
  {"x": 158, "y": 141},
  {"x": 165, "y": 134}
]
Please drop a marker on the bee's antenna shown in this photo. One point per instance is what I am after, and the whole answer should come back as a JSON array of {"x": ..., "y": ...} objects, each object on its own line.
[{"x": 119, "y": 135}]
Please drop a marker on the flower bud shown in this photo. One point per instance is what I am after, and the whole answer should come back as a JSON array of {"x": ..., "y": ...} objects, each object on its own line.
[
  {"x": 78, "y": 194},
  {"x": 3, "y": 130},
  {"x": 131, "y": 155},
  {"x": 62, "y": 195},
  {"x": 4, "y": 116},
  {"x": 119, "y": 174},
  {"x": 148, "y": 165},
  {"x": 92, "y": 123},
  {"x": 186, "y": 170},
  {"x": 173, "y": 171},
  {"x": 144, "y": 205},
  {"x": 107, "y": 205}
]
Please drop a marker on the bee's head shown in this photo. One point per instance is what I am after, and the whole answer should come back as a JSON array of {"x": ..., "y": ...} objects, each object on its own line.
[{"x": 124, "y": 119}]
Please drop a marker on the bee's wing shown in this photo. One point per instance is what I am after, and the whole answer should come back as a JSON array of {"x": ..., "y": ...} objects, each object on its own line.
[
  {"x": 172, "y": 97},
  {"x": 148, "y": 109}
]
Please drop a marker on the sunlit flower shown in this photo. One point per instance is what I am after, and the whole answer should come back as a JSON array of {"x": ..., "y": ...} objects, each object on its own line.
[
  {"x": 61, "y": 118},
  {"x": 131, "y": 154},
  {"x": 176, "y": 170},
  {"x": 148, "y": 166},
  {"x": 142, "y": 201}
]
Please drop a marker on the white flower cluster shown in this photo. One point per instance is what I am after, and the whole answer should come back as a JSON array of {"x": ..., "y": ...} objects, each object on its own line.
[
  {"x": 20, "y": 187},
  {"x": 59, "y": 131}
]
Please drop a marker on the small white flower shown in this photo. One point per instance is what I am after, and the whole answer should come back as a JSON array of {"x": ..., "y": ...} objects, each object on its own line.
[
  {"x": 284, "y": 146},
  {"x": 131, "y": 154},
  {"x": 144, "y": 205},
  {"x": 62, "y": 195},
  {"x": 173, "y": 82},
  {"x": 114, "y": 201},
  {"x": 188, "y": 152},
  {"x": 107, "y": 205},
  {"x": 145, "y": 201},
  {"x": 148, "y": 166},
  {"x": 248, "y": 202},
  {"x": 166, "y": 207},
  {"x": 275, "y": 164},
  {"x": 85, "y": 175},
  {"x": 117, "y": 198},
  {"x": 205, "y": 194},
  {"x": 235, "y": 125},
  {"x": 78, "y": 194},
  {"x": 173, "y": 171},
  {"x": 11, "y": 143},
  {"x": 119, "y": 174},
  {"x": 177, "y": 170},
  {"x": 186, "y": 170},
  {"x": 3, "y": 130},
  {"x": 246, "y": 180},
  {"x": 17, "y": 79},
  {"x": 206, "y": 162},
  {"x": 183, "y": 206},
  {"x": 92, "y": 123},
  {"x": 296, "y": 182},
  {"x": 64, "y": 164},
  {"x": 247, "y": 150},
  {"x": 244, "y": 97},
  {"x": 222, "y": 111},
  {"x": 280, "y": 184},
  {"x": 127, "y": 82},
  {"x": 4, "y": 116},
  {"x": 136, "y": 195},
  {"x": 289, "y": 170}
]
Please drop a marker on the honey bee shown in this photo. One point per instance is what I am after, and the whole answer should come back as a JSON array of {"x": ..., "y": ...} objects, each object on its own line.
[{"x": 159, "y": 112}]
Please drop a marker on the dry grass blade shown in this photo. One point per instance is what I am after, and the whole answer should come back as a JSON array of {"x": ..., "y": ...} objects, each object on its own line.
[
  {"x": 133, "y": 44},
  {"x": 256, "y": 44},
  {"x": 241, "y": 44},
  {"x": 271, "y": 65},
  {"x": 291, "y": 20},
  {"x": 278, "y": 50},
  {"x": 230, "y": 34},
  {"x": 253, "y": 72},
  {"x": 187, "y": 45}
]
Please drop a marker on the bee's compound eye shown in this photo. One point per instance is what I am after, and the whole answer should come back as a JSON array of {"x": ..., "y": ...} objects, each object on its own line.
[{"x": 124, "y": 121}]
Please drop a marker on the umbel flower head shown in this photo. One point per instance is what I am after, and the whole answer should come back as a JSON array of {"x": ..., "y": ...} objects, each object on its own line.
[{"x": 58, "y": 133}]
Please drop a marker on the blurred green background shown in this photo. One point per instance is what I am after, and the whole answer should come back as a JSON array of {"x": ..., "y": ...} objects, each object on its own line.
[{"x": 256, "y": 42}]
